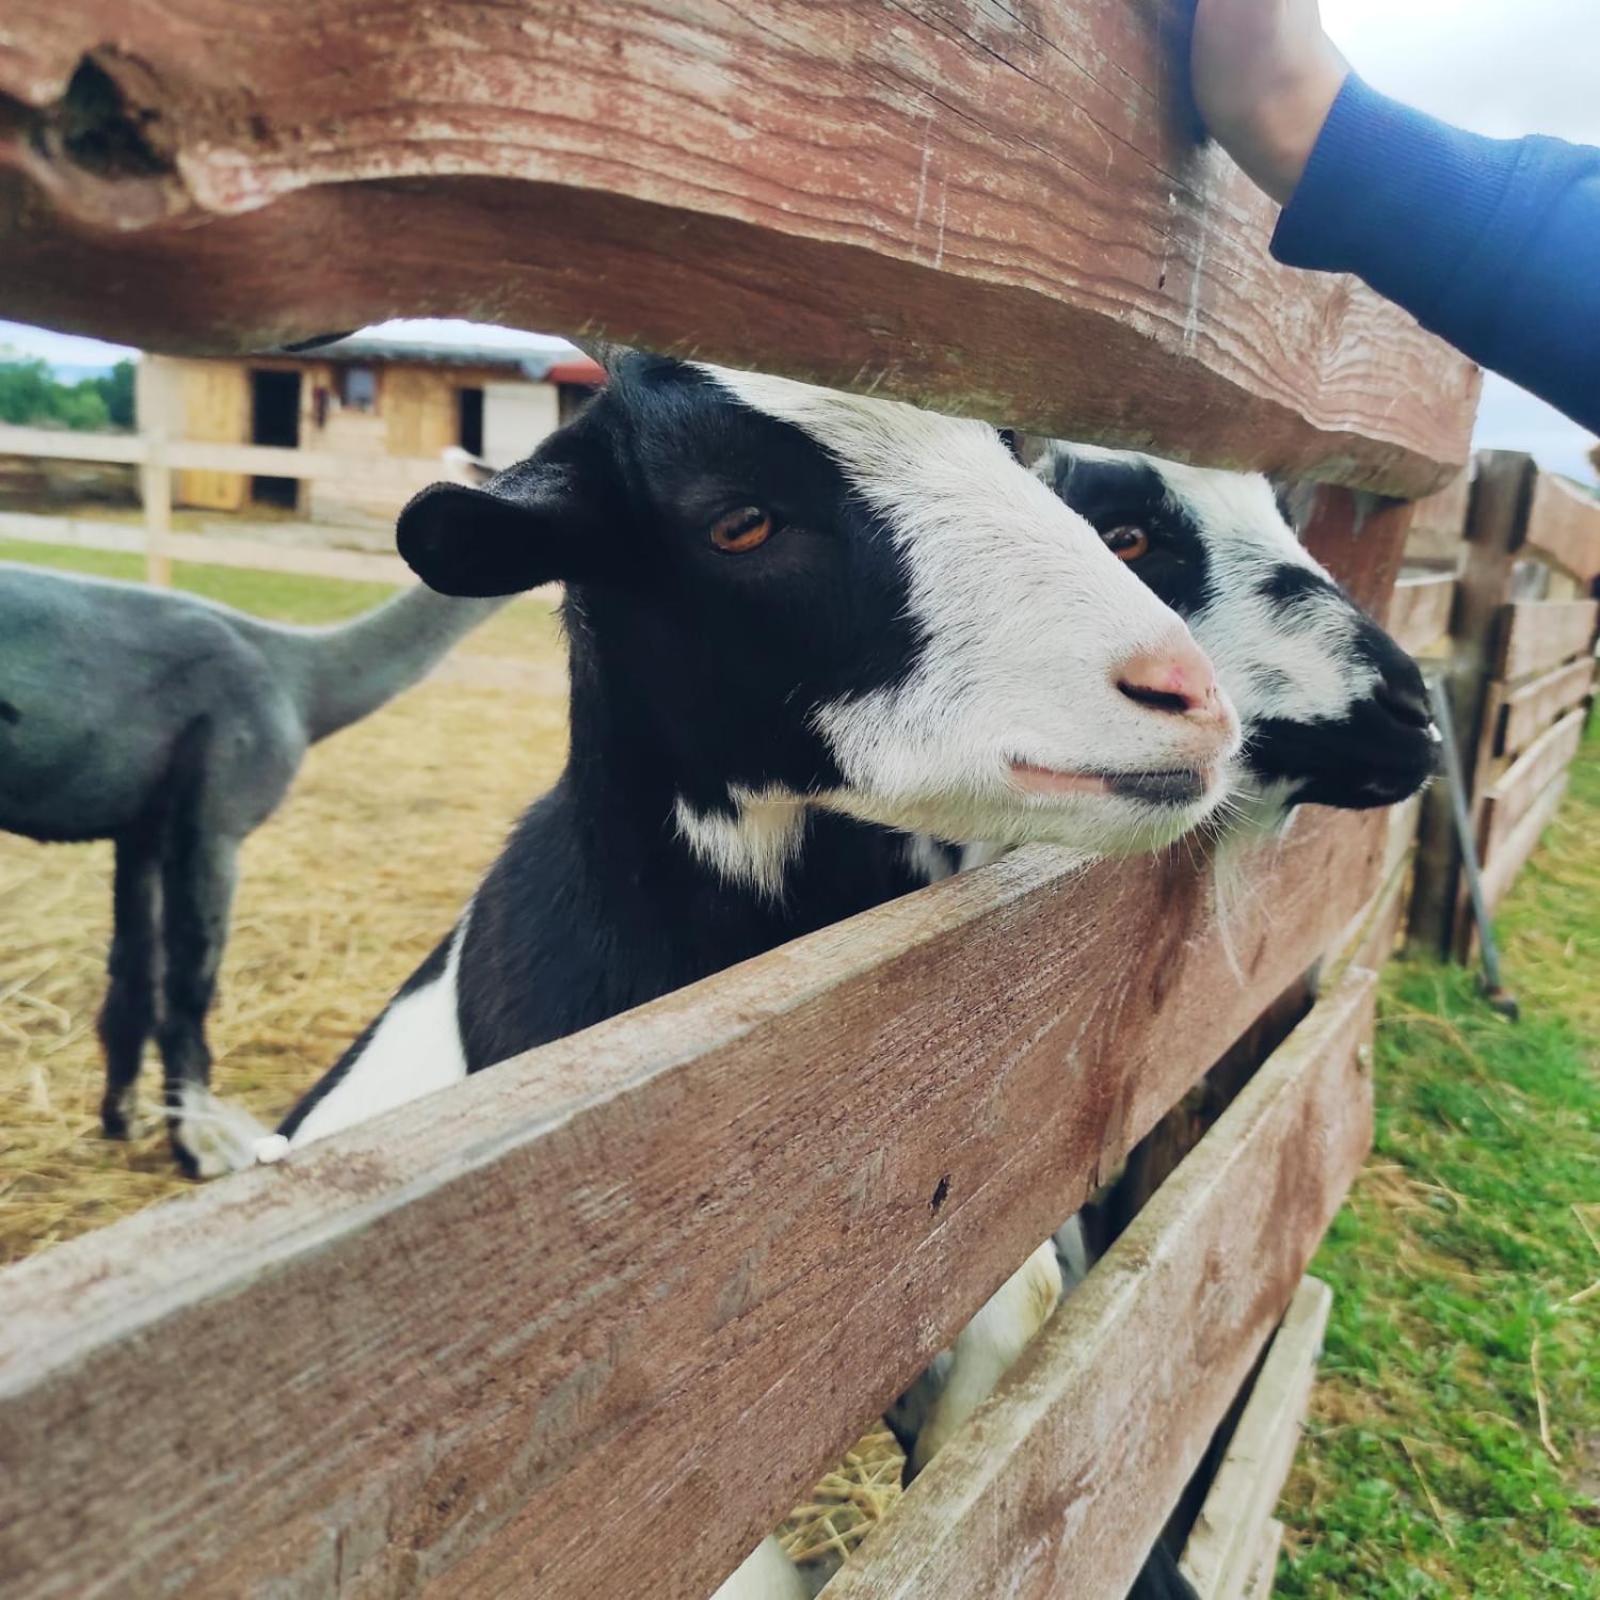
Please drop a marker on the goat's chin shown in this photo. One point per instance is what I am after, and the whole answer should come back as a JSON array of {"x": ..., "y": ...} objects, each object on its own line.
[
  {"x": 1257, "y": 811},
  {"x": 1091, "y": 824}
]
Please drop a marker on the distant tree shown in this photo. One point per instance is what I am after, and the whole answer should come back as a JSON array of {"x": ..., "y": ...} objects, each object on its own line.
[
  {"x": 80, "y": 407},
  {"x": 25, "y": 391},
  {"x": 30, "y": 394},
  {"x": 116, "y": 389}
]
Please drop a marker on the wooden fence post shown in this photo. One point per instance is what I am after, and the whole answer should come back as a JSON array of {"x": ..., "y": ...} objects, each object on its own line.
[
  {"x": 152, "y": 416},
  {"x": 1497, "y": 520}
]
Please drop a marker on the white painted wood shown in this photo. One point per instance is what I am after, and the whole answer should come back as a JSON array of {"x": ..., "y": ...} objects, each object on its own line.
[
  {"x": 1224, "y": 1546},
  {"x": 1264, "y": 1564},
  {"x": 153, "y": 404},
  {"x": 516, "y": 416},
  {"x": 271, "y": 461}
]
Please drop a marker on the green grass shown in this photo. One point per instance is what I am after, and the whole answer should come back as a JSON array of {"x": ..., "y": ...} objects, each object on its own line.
[
  {"x": 525, "y": 630},
  {"x": 282, "y": 596},
  {"x": 1424, "y": 1472}
]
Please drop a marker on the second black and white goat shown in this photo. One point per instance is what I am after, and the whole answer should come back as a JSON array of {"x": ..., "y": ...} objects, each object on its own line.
[{"x": 1333, "y": 713}]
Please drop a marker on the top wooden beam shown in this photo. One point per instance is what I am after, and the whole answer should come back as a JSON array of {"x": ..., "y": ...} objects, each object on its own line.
[
  {"x": 1002, "y": 210},
  {"x": 1564, "y": 527}
]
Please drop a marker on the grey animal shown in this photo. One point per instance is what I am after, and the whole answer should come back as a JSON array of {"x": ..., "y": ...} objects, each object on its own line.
[{"x": 174, "y": 727}]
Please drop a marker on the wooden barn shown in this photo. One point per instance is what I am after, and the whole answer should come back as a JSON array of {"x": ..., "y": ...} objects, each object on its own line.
[{"x": 371, "y": 396}]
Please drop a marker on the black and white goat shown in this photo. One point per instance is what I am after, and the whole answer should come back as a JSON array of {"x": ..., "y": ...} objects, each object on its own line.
[
  {"x": 1335, "y": 712},
  {"x": 802, "y": 624}
]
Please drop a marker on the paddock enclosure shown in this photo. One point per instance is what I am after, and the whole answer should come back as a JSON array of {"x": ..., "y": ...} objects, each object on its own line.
[
  {"x": 1505, "y": 567},
  {"x": 559, "y": 1332}
]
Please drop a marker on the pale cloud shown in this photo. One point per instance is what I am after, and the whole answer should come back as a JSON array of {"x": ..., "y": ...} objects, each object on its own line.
[
  {"x": 70, "y": 349},
  {"x": 59, "y": 349},
  {"x": 1495, "y": 68},
  {"x": 1510, "y": 418}
]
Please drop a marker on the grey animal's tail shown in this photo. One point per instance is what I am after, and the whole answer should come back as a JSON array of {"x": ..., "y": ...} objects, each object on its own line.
[{"x": 341, "y": 674}]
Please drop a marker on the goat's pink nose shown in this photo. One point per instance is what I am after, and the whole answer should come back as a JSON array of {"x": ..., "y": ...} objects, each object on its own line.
[{"x": 1177, "y": 678}]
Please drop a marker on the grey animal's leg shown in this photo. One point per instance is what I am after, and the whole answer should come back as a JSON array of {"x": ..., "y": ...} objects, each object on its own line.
[
  {"x": 129, "y": 1013},
  {"x": 215, "y": 800},
  {"x": 198, "y": 876},
  {"x": 199, "y": 871}
]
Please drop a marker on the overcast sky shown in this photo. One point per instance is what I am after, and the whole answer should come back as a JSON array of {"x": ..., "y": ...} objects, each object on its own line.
[{"x": 1500, "y": 67}]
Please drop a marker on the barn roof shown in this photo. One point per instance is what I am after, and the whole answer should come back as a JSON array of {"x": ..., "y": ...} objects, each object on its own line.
[{"x": 539, "y": 357}]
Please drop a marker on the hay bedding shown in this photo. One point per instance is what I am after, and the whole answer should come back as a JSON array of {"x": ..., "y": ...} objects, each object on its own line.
[
  {"x": 386, "y": 832},
  {"x": 365, "y": 867},
  {"x": 848, "y": 1503}
]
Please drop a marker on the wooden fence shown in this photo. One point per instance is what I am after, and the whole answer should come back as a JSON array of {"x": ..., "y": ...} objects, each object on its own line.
[
  {"x": 589, "y": 1325},
  {"x": 1519, "y": 658},
  {"x": 158, "y": 457}
]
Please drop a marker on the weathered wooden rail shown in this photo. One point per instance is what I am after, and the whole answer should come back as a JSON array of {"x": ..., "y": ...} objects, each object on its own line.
[
  {"x": 923, "y": 198},
  {"x": 589, "y": 1325},
  {"x": 158, "y": 457},
  {"x": 462, "y": 1342},
  {"x": 1233, "y": 1550}
]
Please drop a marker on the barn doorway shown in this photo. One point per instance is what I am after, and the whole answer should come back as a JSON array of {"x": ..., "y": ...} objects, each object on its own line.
[
  {"x": 275, "y": 420},
  {"x": 469, "y": 420}
]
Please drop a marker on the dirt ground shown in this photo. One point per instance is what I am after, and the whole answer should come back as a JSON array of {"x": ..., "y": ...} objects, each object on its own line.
[{"x": 384, "y": 835}]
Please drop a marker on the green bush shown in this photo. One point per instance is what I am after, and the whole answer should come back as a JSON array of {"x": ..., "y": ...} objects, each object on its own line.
[{"x": 30, "y": 395}]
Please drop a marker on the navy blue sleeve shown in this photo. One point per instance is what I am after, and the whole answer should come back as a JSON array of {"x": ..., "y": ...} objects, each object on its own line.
[{"x": 1493, "y": 244}]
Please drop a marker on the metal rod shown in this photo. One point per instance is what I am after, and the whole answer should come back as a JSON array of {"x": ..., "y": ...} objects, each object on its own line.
[{"x": 1445, "y": 723}]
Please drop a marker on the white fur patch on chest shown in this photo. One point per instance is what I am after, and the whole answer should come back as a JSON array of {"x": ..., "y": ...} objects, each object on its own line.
[
  {"x": 415, "y": 1050},
  {"x": 928, "y": 859},
  {"x": 753, "y": 848}
]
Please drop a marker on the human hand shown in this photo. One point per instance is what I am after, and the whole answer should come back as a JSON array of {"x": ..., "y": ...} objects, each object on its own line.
[{"x": 1265, "y": 76}]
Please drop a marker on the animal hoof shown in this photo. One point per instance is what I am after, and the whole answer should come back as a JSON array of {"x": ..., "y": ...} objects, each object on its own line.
[
  {"x": 198, "y": 1156},
  {"x": 117, "y": 1116},
  {"x": 184, "y": 1158},
  {"x": 273, "y": 1148},
  {"x": 210, "y": 1137}
]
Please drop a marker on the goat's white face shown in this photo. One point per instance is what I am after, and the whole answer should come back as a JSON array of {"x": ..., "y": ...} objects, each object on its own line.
[
  {"x": 1013, "y": 719},
  {"x": 1332, "y": 710},
  {"x": 1302, "y": 664}
]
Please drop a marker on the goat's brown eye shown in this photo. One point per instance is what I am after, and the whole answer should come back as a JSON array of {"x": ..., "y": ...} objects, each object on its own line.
[
  {"x": 741, "y": 530},
  {"x": 1127, "y": 542}
]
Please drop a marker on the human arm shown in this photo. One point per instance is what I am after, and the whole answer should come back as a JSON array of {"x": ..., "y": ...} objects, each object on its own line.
[
  {"x": 1265, "y": 76},
  {"x": 1492, "y": 244}
]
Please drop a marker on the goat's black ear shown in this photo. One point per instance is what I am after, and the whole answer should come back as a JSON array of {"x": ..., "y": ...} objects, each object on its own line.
[{"x": 520, "y": 530}]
